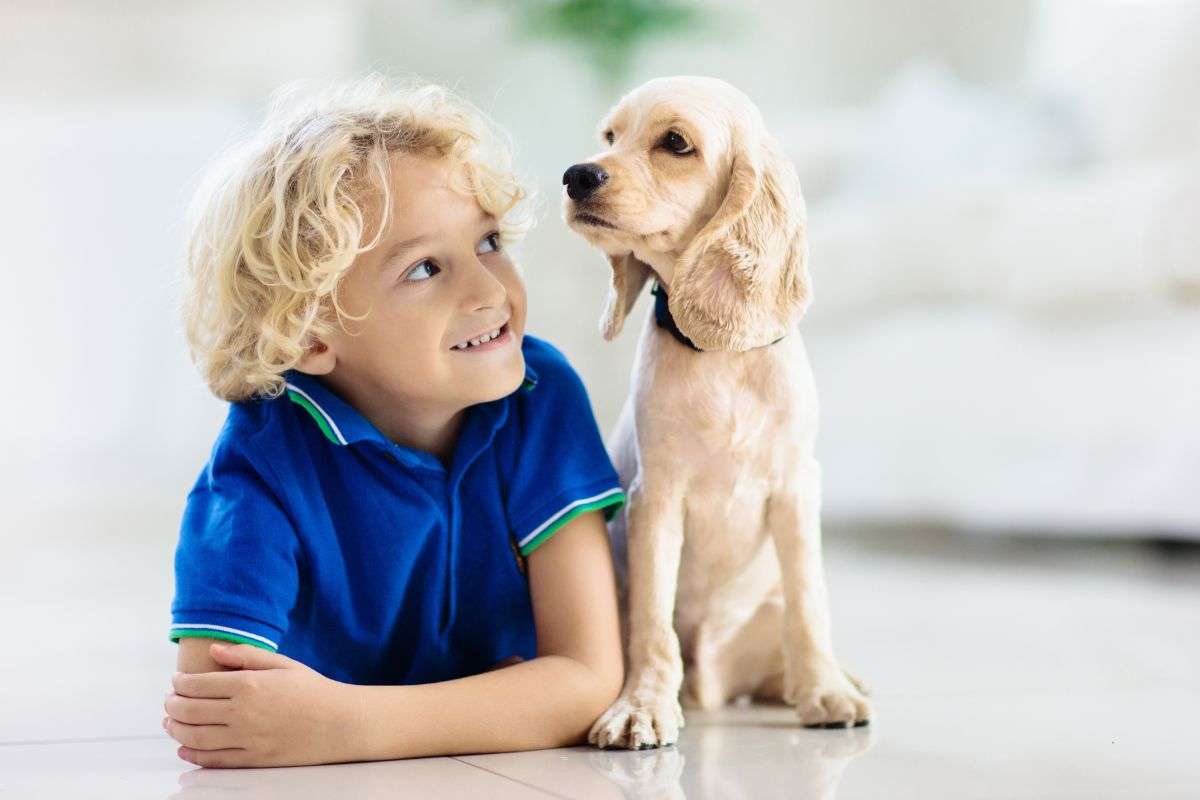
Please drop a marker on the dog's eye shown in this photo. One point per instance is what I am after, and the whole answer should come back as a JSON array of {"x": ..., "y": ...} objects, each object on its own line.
[
  {"x": 608, "y": 136},
  {"x": 676, "y": 144}
]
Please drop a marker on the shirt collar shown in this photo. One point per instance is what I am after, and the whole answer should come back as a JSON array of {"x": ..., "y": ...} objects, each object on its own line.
[
  {"x": 338, "y": 420},
  {"x": 531, "y": 377},
  {"x": 341, "y": 423}
]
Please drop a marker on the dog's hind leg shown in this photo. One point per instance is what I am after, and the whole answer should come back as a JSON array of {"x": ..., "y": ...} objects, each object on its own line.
[{"x": 740, "y": 661}]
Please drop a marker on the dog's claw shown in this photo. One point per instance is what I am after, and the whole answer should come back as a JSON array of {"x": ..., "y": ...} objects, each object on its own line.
[
  {"x": 633, "y": 725},
  {"x": 829, "y": 725}
]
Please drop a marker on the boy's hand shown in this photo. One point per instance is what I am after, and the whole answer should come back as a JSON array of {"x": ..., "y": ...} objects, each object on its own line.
[{"x": 270, "y": 711}]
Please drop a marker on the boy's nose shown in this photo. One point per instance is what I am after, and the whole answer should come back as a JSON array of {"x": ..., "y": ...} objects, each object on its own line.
[{"x": 583, "y": 179}]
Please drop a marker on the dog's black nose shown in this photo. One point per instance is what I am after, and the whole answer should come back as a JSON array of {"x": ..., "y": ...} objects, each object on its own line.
[{"x": 583, "y": 179}]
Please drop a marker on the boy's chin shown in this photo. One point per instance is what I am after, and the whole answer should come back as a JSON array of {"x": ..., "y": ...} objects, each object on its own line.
[
  {"x": 499, "y": 391},
  {"x": 501, "y": 382}
]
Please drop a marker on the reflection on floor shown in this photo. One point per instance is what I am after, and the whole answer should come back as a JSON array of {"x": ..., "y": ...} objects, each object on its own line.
[{"x": 1001, "y": 668}]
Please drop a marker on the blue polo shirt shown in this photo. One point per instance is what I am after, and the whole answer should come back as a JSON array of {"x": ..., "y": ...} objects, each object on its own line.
[{"x": 311, "y": 533}]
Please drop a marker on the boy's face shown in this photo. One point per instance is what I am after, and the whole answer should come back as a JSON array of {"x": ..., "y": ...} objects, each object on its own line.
[{"x": 437, "y": 278}]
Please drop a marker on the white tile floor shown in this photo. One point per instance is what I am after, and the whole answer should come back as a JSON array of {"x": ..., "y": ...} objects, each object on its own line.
[{"x": 1001, "y": 670}]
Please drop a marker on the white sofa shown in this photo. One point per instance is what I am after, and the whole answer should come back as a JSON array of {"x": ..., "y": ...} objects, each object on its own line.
[{"x": 1006, "y": 331}]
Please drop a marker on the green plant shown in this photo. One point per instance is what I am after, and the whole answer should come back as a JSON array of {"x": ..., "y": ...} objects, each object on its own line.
[{"x": 610, "y": 32}]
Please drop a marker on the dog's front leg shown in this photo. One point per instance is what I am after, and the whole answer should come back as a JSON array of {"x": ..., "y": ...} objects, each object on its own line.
[
  {"x": 647, "y": 714},
  {"x": 823, "y": 694}
]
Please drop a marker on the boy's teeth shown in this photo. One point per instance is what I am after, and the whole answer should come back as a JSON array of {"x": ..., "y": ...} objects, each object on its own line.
[{"x": 487, "y": 337}]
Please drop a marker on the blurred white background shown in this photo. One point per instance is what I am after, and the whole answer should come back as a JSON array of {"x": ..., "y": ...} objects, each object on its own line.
[
  {"x": 1003, "y": 198},
  {"x": 1004, "y": 212}
]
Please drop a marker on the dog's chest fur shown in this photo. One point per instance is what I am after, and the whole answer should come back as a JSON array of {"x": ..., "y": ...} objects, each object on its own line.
[
  {"x": 734, "y": 427},
  {"x": 756, "y": 410}
]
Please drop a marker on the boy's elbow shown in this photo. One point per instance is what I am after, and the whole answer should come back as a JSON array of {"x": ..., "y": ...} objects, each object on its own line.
[
  {"x": 610, "y": 682},
  {"x": 603, "y": 690},
  {"x": 591, "y": 689}
]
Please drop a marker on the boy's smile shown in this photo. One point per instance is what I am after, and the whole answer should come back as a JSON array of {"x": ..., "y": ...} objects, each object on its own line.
[
  {"x": 488, "y": 340},
  {"x": 444, "y": 311}
]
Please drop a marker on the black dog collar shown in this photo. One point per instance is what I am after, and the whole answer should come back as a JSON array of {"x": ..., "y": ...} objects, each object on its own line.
[{"x": 662, "y": 316}]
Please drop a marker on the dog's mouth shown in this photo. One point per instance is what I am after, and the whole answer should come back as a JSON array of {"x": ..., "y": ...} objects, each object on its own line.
[{"x": 584, "y": 218}]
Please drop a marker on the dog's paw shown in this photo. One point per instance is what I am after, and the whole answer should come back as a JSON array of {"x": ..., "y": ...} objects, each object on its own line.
[
  {"x": 831, "y": 700},
  {"x": 638, "y": 722}
]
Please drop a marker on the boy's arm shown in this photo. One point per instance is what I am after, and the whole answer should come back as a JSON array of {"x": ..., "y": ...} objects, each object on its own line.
[
  {"x": 194, "y": 655},
  {"x": 270, "y": 710},
  {"x": 550, "y": 701}
]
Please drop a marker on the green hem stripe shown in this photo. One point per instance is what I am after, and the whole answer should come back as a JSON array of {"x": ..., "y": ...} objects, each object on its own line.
[
  {"x": 317, "y": 415},
  {"x": 612, "y": 504},
  {"x": 204, "y": 633}
]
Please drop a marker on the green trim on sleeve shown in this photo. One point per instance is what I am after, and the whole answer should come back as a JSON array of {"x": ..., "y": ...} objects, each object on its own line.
[
  {"x": 201, "y": 633},
  {"x": 610, "y": 504}
]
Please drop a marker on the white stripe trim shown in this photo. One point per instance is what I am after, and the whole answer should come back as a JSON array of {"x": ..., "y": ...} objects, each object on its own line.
[
  {"x": 207, "y": 627},
  {"x": 564, "y": 510},
  {"x": 332, "y": 425}
]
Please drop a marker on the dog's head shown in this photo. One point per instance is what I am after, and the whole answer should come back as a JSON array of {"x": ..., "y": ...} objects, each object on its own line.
[{"x": 690, "y": 180}]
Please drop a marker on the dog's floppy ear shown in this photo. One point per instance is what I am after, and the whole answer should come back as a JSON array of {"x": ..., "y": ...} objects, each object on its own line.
[
  {"x": 743, "y": 280},
  {"x": 628, "y": 277}
]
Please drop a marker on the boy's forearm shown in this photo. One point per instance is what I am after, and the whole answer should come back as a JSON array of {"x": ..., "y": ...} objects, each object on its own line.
[{"x": 550, "y": 701}]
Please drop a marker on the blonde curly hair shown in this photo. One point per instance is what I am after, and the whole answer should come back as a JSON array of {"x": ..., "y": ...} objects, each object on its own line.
[{"x": 277, "y": 222}]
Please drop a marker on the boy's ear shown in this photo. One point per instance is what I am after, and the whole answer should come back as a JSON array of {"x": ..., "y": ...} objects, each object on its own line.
[{"x": 318, "y": 360}]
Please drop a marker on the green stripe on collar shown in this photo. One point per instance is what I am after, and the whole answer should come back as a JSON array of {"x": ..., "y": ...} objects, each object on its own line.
[
  {"x": 330, "y": 428},
  {"x": 304, "y": 403}
]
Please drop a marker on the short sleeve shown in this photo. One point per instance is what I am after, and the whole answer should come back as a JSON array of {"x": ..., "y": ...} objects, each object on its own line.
[
  {"x": 562, "y": 468},
  {"x": 236, "y": 564}
]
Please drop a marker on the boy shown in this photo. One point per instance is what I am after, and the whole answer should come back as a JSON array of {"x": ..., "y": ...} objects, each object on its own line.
[{"x": 397, "y": 547}]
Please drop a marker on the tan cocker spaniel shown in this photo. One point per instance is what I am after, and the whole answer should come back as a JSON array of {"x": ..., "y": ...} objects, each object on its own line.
[{"x": 719, "y": 547}]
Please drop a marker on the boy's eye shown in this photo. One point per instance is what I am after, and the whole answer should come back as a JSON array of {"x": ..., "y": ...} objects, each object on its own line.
[
  {"x": 423, "y": 271},
  {"x": 426, "y": 269},
  {"x": 493, "y": 241}
]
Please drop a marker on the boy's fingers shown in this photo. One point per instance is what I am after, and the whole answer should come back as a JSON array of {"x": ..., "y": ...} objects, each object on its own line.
[
  {"x": 196, "y": 711},
  {"x": 220, "y": 685},
  {"x": 231, "y": 757},
  {"x": 247, "y": 656},
  {"x": 200, "y": 737}
]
